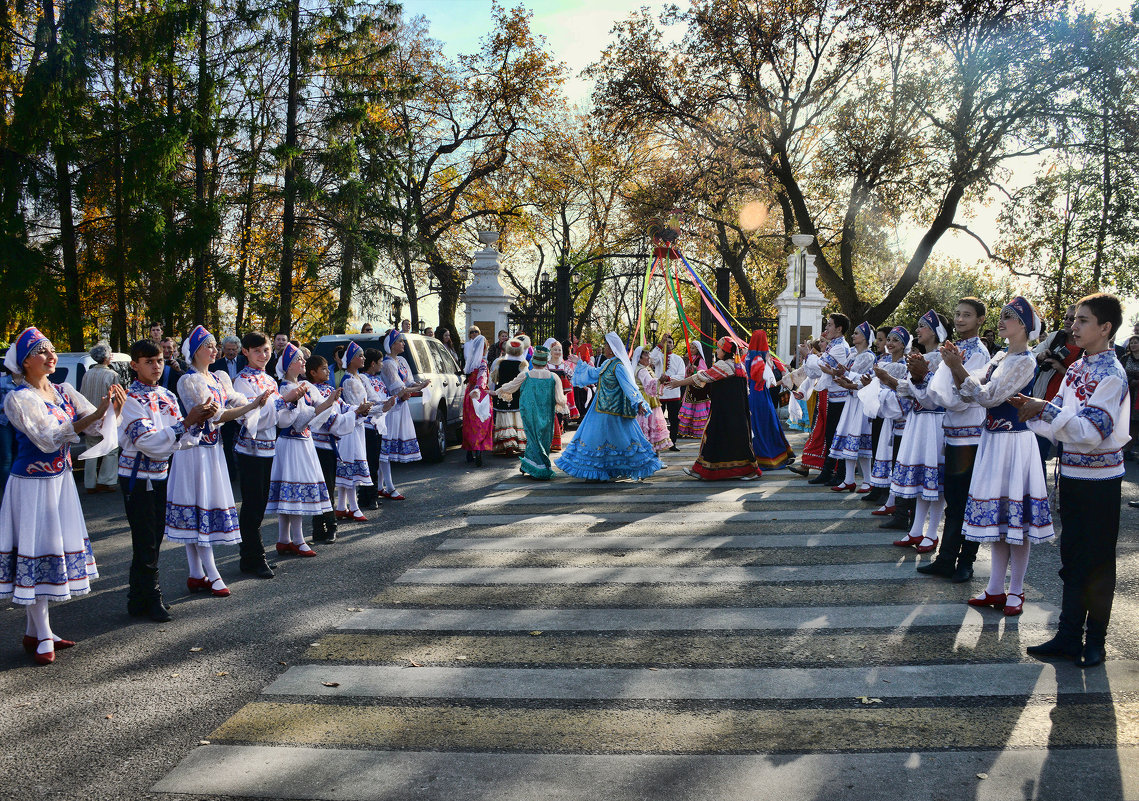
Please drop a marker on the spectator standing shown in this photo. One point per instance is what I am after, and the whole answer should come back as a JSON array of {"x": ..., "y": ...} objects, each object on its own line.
[
  {"x": 99, "y": 475},
  {"x": 366, "y": 328},
  {"x": 405, "y": 327},
  {"x": 670, "y": 395},
  {"x": 280, "y": 340},
  {"x": 7, "y": 433},
  {"x": 1131, "y": 367},
  {"x": 498, "y": 348},
  {"x": 156, "y": 334},
  {"x": 231, "y": 362}
]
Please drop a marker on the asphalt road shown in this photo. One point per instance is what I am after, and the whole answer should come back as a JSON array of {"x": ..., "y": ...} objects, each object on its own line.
[{"x": 133, "y": 699}]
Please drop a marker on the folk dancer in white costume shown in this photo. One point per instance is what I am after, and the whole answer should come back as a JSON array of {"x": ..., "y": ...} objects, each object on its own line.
[
  {"x": 45, "y": 554},
  {"x": 200, "y": 511}
]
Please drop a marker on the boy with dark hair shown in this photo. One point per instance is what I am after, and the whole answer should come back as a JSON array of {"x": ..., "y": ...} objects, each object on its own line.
[
  {"x": 151, "y": 428},
  {"x": 1090, "y": 418},
  {"x": 962, "y": 426}
]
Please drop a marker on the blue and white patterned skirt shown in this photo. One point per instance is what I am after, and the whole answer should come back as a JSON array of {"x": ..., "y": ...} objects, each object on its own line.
[
  {"x": 919, "y": 470},
  {"x": 296, "y": 485},
  {"x": 852, "y": 437},
  {"x": 1008, "y": 495},
  {"x": 352, "y": 460}
]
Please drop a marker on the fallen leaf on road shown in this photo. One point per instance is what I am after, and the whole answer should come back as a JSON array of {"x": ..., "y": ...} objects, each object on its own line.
[
  {"x": 982, "y": 775},
  {"x": 461, "y": 657},
  {"x": 223, "y": 673},
  {"x": 283, "y": 663},
  {"x": 195, "y": 649},
  {"x": 108, "y": 717},
  {"x": 331, "y": 683},
  {"x": 535, "y": 634},
  {"x": 413, "y": 663},
  {"x": 314, "y": 644},
  {"x": 863, "y": 699},
  {"x": 175, "y": 675},
  {"x": 654, "y": 668},
  {"x": 203, "y": 742},
  {"x": 355, "y": 609}
]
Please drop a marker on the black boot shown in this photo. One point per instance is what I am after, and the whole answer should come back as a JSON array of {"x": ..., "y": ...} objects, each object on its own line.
[
  {"x": 324, "y": 528},
  {"x": 1069, "y": 640},
  {"x": 945, "y": 564},
  {"x": 874, "y": 496},
  {"x": 965, "y": 559},
  {"x": 478, "y": 458},
  {"x": 470, "y": 456},
  {"x": 823, "y": 478}
]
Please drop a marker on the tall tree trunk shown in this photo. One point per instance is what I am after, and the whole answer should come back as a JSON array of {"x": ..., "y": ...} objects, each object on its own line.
[
  {"x": 1106, "y": 195},
  {"x": 288, "y": 238},
  {"x": 201, "y": 222},
  {"x": 159, "y": 297},
  {"x": 119, "y": 318}
]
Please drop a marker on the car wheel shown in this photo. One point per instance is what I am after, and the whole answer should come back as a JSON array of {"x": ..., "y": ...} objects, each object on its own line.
[{"x": 434, "y": 442}]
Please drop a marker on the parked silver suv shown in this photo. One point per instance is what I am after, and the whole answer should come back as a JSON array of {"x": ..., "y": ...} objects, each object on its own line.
[{"x": 438, "y": 414}]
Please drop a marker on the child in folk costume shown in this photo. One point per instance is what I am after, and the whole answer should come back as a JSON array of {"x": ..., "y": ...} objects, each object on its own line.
[
  {"x": 151, "y": 429},
  {"x": 826, "y": 369},
  {"x": 852, "y": 443},
  {"x": 399, "y": 444},
  {"x": 297, "y": 488},
  {"x": 200, "y": 510},
  {"x": 770, "y": 446},
  {"x": 558, "y": 365},
  {"x": 583, "y": 395},
  {"x": 352, "y": 453},
  {"x": 918, "y": 475},
  {"x": 478, "y": 422},
  {"x": 255, "y": 446},
  {"x": 540, "y": 399},
  {"x": 963, "y": 423},
  {"x": 609, "y": 444},
  {"x": 694, "y": 408},
  {"x": 376, "y": 425},
  {"x": 45, "y": 554},
  {"x": 1008, "y": 497},
  {"x": 324, "y": 438},
  {"x": 882, "y": 402},
  {"x": 509, "y": 433},
  {"x": 1090, "y": 416},
  {"x": 725, "y": 449},
  {"x": 654, "y": 423}
]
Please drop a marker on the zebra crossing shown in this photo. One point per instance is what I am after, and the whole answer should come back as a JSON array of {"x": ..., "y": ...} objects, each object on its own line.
[{"x": 674, "y": 639}]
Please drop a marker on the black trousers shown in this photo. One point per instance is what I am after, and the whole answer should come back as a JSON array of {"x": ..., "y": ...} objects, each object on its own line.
[
  {"x": 229, "y": 433},
  {"x": 834, "y": 414},
  {"x": 372, "y": 447},
  {"x": 955, "y": 549},
  {"x": 146, "y": 513},
  {"x": 1089, "y": 512},
  {"x": 253, "y": 477},
  {"x": 325, "y": 525},
  {"x": 672, "y": 412}
]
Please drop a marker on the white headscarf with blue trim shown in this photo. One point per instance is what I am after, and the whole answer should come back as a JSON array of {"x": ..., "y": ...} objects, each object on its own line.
[{"x": 25, "y": 345}]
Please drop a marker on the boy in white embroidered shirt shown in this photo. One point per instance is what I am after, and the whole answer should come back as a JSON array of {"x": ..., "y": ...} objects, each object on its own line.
[{"x": 1090, "y": 418}]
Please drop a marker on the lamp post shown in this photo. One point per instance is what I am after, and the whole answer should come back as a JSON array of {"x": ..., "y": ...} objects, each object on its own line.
[
  {"x": 653, "y": 329},
  {"x": 419, "y": 326},
  {"x": 802, "y": 242}
]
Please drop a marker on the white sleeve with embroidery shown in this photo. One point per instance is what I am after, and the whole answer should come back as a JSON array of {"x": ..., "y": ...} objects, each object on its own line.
[
  {"x": 1100, "y": 421},
  {"x": 1009, "y": 377},
  {"x": 28, "y": 413},
  {"x": 156, "y": 438}
]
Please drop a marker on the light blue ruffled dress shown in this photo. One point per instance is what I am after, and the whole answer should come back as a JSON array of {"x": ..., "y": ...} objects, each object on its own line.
[{"x": 609, "y": 443}]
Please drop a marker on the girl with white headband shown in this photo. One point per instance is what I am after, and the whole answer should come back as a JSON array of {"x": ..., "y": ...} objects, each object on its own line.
[
  {"x": 200, "y": 511},
  {"x": 43, "y": 539},
  {"x": 399, "y": 444},
  {"x": 1008, "y": 496},
  {"x": 352, "y": 454},
  {"x": 880, "y": 399}
]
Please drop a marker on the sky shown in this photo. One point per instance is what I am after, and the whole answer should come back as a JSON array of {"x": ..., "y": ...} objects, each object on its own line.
[{"x": 578, "y": 30}]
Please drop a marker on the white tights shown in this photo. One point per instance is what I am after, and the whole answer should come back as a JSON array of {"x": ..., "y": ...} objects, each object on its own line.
[
  {"x": 863, "y": 463},
  {"x": 927, "y": 517},
  {"x": 346, "y": 499},
  {"x": 1010, "y": 557},
  {"x": 38, "y": 626},
  {"x": 386, "y": 476},
  {"x": 201, "y": 561},
  {"x": 290, "y": 529}
]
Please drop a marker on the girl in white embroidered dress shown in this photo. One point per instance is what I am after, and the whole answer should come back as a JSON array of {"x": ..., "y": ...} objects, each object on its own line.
[
  {"x": 352, "y": 459},
  {"x": 44, "y": 551},
  {"x": 199, "y": 503}
]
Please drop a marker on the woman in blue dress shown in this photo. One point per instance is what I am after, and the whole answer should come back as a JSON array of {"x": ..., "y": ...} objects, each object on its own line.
[
  {"x": 768, "y": 442},
  {"x": 609, "y": 444}
]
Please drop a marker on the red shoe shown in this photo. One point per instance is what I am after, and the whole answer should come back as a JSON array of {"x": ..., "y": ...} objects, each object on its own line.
[
  {"x": 395, "y": 496},
  {"x": 358, "y": 516},
  {"x": 865, "y": 488},
  {"x": 31, "y": 642},
  {"x": 385, "y": 494},
  {"x": 285, "y": 548},
  {"x": 297, "y": 550},
  {"x": 222, "y": 593},
  {"x": 197, "y": 584},
  {"x": 908, "y": 541},
  {"x": 884, "y": 511},
  {"x": 1012, "y": 610},
  {"x": 44, "y": 659},
  {"x": 343, "y": 515},
  {"x": 844, "y": 487},
  {"x": 926, "y": 548},
  {"x": 996, "y": 601}
]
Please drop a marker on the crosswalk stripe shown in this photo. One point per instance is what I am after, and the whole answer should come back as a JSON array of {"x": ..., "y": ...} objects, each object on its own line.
[
  {"x": 738, "y": 684},
  {"x": 616, "y": 487},
  {"x": 802, "y": 618},
  {"x": 538, "y": 541},
  {"x": 734, "y": 496},
  {"x": 708, "y": 729},
  {"x": 667, "y": 518},
  {"x": 881, "y": 571},
  {"x": 341, "y": 774}
]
